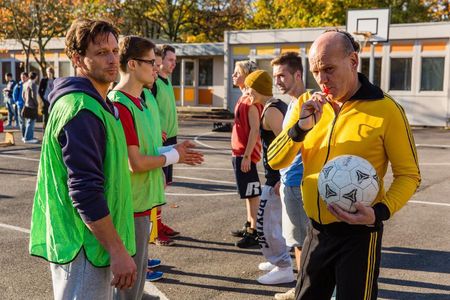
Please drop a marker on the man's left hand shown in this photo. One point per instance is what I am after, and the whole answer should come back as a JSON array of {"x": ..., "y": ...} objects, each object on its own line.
[{"x": 364, "y": 215}]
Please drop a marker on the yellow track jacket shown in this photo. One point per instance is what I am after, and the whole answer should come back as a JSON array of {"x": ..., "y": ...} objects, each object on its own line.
[{"x": 370, "y": 125}]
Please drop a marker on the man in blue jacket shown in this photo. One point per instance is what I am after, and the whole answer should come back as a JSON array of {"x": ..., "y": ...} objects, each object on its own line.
[{"x": 18, "y": 100}]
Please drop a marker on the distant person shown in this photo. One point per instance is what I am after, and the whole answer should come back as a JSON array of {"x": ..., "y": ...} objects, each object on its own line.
[
  {"x": 246, "y": 153},
  {"x": 9, "y": 101},
  {"x": 45, "y": 87},
  {"x": 82, "y": 220},
  {"x": 30, "y": 108},
  {"x": 18, "y": 100},
  {"x": 288, "y": 74},
  {"x": 165, "y": 97},
  {"x": 349, "y": 116}
]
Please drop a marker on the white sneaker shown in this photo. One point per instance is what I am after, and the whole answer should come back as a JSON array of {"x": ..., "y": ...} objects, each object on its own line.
[
  {"x": 289, "y": 295},
  {"x": 266, "y": 266},
  {"x": 32, "y": 141},
  {"x": 278, "y": 275}
]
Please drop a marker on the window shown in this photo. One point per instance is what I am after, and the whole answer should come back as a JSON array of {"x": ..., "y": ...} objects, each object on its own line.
[
  {"x": 365, "y": 65},
  {"x": 20, "y": 67},
  {"x": 188, "y": 73},
  {"x": 205, "y": 72},
  {"x": 432, "y": 75},
  {"x": 400, "y": 74},
  {"x": 6, "y": 68},
  {"x": 64, "y": 69},
  {"x": 310, "y": 82},
  {"x": 176, "y": 74}
]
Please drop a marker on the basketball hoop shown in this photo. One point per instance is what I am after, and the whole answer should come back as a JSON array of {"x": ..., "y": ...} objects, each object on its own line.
[{"x": 366, "y": 34}]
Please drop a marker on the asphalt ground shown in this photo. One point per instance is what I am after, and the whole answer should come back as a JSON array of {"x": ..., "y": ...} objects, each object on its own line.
[{"x": 204, "y": 207}]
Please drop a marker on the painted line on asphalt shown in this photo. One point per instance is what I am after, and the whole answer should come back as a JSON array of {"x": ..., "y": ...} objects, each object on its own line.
[
  {"x": 204, "y": 168},
  {"x": 150, "y": 288},
  {"x": 433, "y": 146},
  {"x": 201, "y": 195},
  {"x": 197, "y": 140},
  {"x": 429, "y": 203},
  {"x": 16, "y": 228},
  {"x": 19, "y": 157},
  {"x": 204, "y": 179}
]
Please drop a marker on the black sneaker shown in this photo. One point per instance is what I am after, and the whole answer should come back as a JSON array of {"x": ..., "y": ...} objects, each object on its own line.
[
  {"x": 249, "y": 240},
  {"x": 240, "y": 232}
]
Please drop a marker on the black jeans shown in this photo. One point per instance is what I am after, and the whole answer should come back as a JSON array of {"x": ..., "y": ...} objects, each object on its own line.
[{"x": 168, "y": 171}]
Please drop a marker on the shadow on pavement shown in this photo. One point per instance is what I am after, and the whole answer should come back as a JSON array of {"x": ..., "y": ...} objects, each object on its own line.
[
  {"x": 225, "y": 247},
  {"x": 204, "y": 186},
  {"x": 418, "y": 284},
  {"x": 400, "y": 295},
  {"x": 416, "y": 259},
  {"x": 238, "y": 290}
]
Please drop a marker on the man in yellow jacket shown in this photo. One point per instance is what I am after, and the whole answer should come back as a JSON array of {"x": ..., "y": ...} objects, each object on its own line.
[{"x": 350, "y": 116}]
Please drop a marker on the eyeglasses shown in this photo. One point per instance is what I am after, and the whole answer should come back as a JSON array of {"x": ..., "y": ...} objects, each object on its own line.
[{"x": 147, "y": 61}]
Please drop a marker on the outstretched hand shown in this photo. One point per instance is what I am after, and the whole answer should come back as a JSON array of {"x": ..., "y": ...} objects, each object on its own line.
[
  {"x": 364, "y": 215},
  {"x": 187, "y": 154}
]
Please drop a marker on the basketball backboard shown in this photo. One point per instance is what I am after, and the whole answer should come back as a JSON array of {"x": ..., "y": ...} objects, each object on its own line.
[{"x": 369, "y": 25}]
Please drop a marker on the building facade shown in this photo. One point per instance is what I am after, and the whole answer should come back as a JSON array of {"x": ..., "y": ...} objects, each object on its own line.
[{"x": 413, "y": 66}]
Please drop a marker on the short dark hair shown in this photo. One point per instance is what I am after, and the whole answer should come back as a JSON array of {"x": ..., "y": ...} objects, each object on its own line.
[
  {"x": 165, "y": 49},
  {"x": 8, "y": 74},
  {"x": 84, "y": 31},
  {"x": 348, "y": 41},
  {"x": 133, "y": 47},
  {"x": 292, "y": 59},
  {"x": 24, "y": 73},
  {"x": 33, "y": 75},
  {"x": 158, "y": 51}
]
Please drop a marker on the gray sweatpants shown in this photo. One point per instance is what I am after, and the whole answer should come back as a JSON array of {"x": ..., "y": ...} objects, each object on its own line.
[
  {"x": 294, "y": 219},
  {"x": 268, "y": 226},
  {"x": 81, "y": 280},
  {"x": 142, "y": 232}
]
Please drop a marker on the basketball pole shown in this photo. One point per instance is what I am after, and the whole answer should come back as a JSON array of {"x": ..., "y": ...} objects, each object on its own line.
[
  {"x": 367, "y": 35},
  {"x": 372, "y": 62}
]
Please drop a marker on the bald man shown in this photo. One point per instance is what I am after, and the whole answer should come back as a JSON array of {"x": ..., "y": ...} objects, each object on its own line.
[{"x": 351, "y": 116}]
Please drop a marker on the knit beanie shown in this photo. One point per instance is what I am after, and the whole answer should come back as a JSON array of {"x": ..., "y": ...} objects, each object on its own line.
[{"x": 260, "y": 81}]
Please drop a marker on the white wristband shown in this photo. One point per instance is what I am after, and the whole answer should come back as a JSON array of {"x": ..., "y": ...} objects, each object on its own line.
[{"x": 172, "y": 157}]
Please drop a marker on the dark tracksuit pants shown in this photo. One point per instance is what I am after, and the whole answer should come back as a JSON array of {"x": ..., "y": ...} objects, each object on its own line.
[
  {"x": 341, "y": 255},
  {"x": 168, "y": 171}
]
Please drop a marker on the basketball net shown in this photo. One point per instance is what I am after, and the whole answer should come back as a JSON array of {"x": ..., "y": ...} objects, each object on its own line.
[{"x": 366, "y": 34}]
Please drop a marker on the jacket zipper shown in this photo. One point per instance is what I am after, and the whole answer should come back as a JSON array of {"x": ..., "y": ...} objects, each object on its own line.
[{"x": 328, "y": 153}]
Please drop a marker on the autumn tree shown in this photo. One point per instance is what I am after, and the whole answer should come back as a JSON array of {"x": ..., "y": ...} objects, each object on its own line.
[
  {"x": 318, "y": 13},
  {"x": 34, "y": 23},
  {"x": 170, "y": 16},
  {"x": 212, "y": 17}
]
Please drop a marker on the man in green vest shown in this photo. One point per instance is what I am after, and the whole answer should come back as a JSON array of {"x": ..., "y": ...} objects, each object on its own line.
[
  {"x": 82, "y": 219},
  {"x": 144, "y": 141},
  {"x": 165, "y": 97}
]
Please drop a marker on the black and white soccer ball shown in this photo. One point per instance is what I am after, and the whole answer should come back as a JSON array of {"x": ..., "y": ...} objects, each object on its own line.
[{"x": 347, "y": 179}]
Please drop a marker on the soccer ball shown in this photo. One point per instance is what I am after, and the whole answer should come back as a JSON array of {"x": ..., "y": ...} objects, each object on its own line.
[{"x": 347, "y": 179}]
